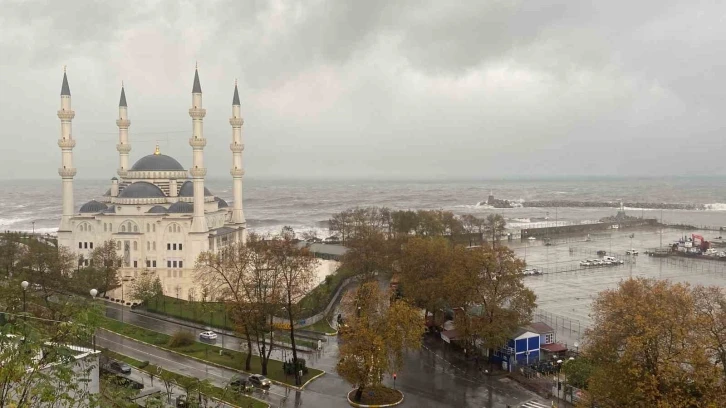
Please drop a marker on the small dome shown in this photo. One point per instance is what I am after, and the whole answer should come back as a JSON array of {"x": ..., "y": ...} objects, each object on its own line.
[
  {"x": 187, "y": 190},
  {"x": 221, "y": 203},
  {"x": 157, "y": 162},
  {"x": 93, "y": 206},
  {"x": 158, "y": 209},
  {"x": 181, "y": 207},
  {"x": 142, "y": 189}
]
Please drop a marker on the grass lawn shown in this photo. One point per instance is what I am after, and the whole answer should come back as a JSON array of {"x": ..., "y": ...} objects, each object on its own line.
[
  {"x": 216, "y": 392},
  {"x": 229, "y": 358},
  {"x": 317, "y": 299},
  {"x": 209, "y": 314},
  {"x": 378, "y": 396},
  {"x": 320, "y": 327}
]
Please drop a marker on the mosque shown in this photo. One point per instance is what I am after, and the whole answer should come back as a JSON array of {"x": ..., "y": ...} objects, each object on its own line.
[{"x": 160, "y": 218}]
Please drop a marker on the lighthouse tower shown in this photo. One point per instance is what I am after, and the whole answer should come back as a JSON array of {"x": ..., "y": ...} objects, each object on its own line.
[
  {"x": 123, "y": 147},
  {"x": 238, "y": 216},
  {"x": 66, "y": 171},
  {"x": 198, "y": 171}
]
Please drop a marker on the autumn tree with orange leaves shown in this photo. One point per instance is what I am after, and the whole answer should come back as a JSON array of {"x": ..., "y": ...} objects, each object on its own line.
[{"x": 657, "y": 344}]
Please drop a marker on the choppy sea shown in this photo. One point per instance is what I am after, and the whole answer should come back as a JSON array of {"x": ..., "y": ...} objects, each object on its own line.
[{"x": 307, "y": 205}]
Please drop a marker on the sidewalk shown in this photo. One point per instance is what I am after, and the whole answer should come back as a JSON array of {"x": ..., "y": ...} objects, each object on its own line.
[{"x": 470, "y": 366}]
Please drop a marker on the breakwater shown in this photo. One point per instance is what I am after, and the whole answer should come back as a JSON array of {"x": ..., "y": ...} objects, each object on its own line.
[
  {"x": 585, "y": 228},
  {"x": 612, "y": 204}
]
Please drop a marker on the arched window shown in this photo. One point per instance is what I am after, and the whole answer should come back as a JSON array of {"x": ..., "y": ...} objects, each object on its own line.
[
  {"x": 154, "y": 245},
  {"x": 148, "y": 245},
  {"x": 104, "y": 227},
  {"x": 136, "y": 228},
  {"x": 136, "y": 246},
  {"x": 110, "y": 227},
  {"x": 118, "y": 244},
  {"x": 148, "y": 228},
  {"x": 123, "y": 228},
  {"x": 153, "y": 227},
  {"x": 90, "y": 228}
]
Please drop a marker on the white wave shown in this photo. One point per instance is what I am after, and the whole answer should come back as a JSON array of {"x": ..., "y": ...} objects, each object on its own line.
[
  {"x": 525, "y": 220},
  {"x": 11, "y": 221},
  {"x": 273, "y": 230},
  {"x": 716, "y": 207},
  {"x": 638, "y": 209}
]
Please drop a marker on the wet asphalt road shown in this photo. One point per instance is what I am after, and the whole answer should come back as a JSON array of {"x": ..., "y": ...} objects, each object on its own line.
[{"x": 428, "y": 379}]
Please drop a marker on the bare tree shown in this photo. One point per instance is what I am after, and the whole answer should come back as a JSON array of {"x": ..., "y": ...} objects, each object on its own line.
[{"x": 296, "y": 271}]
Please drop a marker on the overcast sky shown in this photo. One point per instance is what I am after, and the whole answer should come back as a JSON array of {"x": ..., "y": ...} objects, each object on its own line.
[{"x": 374, "y": 88}]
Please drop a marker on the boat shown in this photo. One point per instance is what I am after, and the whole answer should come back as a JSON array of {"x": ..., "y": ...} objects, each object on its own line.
[{"x": 531, "y": 238}]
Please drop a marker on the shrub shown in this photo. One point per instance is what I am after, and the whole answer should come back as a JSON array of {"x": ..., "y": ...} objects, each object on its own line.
[
  {"x": 144, "y": 364},
  {"x": 181, "y": 339}
]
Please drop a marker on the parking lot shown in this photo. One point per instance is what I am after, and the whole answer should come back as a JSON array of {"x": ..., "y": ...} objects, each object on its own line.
[{"x": 565, "y": 290}]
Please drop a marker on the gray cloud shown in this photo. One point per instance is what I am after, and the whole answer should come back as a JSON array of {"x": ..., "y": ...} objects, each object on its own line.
[{"x": 376, "y": 88}]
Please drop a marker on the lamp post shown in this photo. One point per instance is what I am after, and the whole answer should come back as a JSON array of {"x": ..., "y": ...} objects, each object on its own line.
[
  {"x": 24, "y": 285},
  {"x": 33, "y": 227},
  {"x": 93, "y": 293},
  {"x": 559, "y": 367},
  {"x": 577, "y": 348}
]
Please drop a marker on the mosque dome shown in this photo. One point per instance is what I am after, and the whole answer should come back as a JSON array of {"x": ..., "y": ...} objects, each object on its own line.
[
  {"x": 181, "y": 207},
  {"x": 187, "y": 190},
  {"x": 93, "y": 206},
  {"x": 142, "y": 189},
  {"x": 221, "y": 203},
  {"x": 157, "y": 162},
  {"x": 158, "y": 209}
]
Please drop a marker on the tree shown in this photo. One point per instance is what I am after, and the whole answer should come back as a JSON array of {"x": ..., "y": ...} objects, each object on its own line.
[
  {"x": 501, "y": 300},
  {"x": 146, "y": 287},
  {"x": 106, "y": 262},
  {"x": 711, "y": 311},
  {"x": 378, "y": 337},
  {"x": 431, "y": 276},
  {"x": 495, "y": 226},
  {"x": 369, "y": 252},
  {"x": 646, "y": 344},
  {"x": 247, "y": 280},
  {"x": 167, "y": 378},
  {"x": 225, "y": 273},
  {"x": 578, "y": 371},
  {"x": 296, "y": 271},
  {"x": 11, "y": 252}
]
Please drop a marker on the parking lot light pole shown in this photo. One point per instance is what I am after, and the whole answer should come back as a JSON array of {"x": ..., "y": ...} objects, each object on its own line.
[{"x": 93, "y": 293}]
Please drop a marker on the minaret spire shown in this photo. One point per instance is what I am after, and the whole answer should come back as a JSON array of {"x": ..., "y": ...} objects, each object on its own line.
[
  {"x": 198, "y": 171},
  {"x": 123, "y": 147},
  {"x": 237, "y": 147},
  {"x": 67, "y": 171}
]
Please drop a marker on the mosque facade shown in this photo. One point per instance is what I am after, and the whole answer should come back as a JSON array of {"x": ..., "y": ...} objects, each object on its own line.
[{"x": 158, "y": 213}]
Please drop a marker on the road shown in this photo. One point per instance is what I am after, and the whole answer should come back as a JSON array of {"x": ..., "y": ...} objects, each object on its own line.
[{"x": 428, "y": 378}]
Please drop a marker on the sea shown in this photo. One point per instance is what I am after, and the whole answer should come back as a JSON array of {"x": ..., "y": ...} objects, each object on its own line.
[{"x": 307, "y": 205}]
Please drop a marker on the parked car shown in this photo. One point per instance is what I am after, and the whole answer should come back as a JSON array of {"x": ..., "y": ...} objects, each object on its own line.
[
  {"x": 208, "y": 335},
  {"x": 120, "y": 367},
  {"x": 613, "y": 260},
  {"x": 260, "y": 380},
  {"x": 240, "y": 384},
  {"x": 631, "y": 252},
  {"x": 586, "y": 262}
]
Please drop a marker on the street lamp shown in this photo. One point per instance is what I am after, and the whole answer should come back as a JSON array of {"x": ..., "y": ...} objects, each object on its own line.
[
  {"x": 577, "y": 348},
  {"x": 93, "y": 293},
  {"x": 24, "y": 285},
  {"x": 559, "y": 367}
]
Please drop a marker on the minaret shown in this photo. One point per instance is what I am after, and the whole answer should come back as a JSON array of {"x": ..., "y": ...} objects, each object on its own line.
[
  {"x": 197, "y": 142},
  {"x": 67, "y": 171},
  {"x": 123, "y": 145},
  {"x": 238, "y": 216}
]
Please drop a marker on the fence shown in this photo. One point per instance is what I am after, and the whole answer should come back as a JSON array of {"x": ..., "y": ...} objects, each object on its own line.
[
  {"x": 702, "y": 265},
  {"x": 572, "y": 328}
]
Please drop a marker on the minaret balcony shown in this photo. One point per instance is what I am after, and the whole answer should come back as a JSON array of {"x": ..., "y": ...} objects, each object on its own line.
[
  {"x": 123, "y": 148},
  {"x": 198, "y": 172},
  {"x": 122, "y": 173},
  {"x": 197, "y": 113},
  {"x": 237, "y": 172},
  {"x": 66, "y": 143},
  {"x": 67, "y": 172},
  {"x": 66, "y": 114},
  {"x": 236, "y": 147},
  {"x": 236, "y": 122},
  {"x": 197, "y": 143},
  {"x": 123, "y": 123}
]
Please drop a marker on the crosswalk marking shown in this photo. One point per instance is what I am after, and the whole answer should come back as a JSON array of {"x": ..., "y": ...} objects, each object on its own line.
[{"x": 532, "y": 404}]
